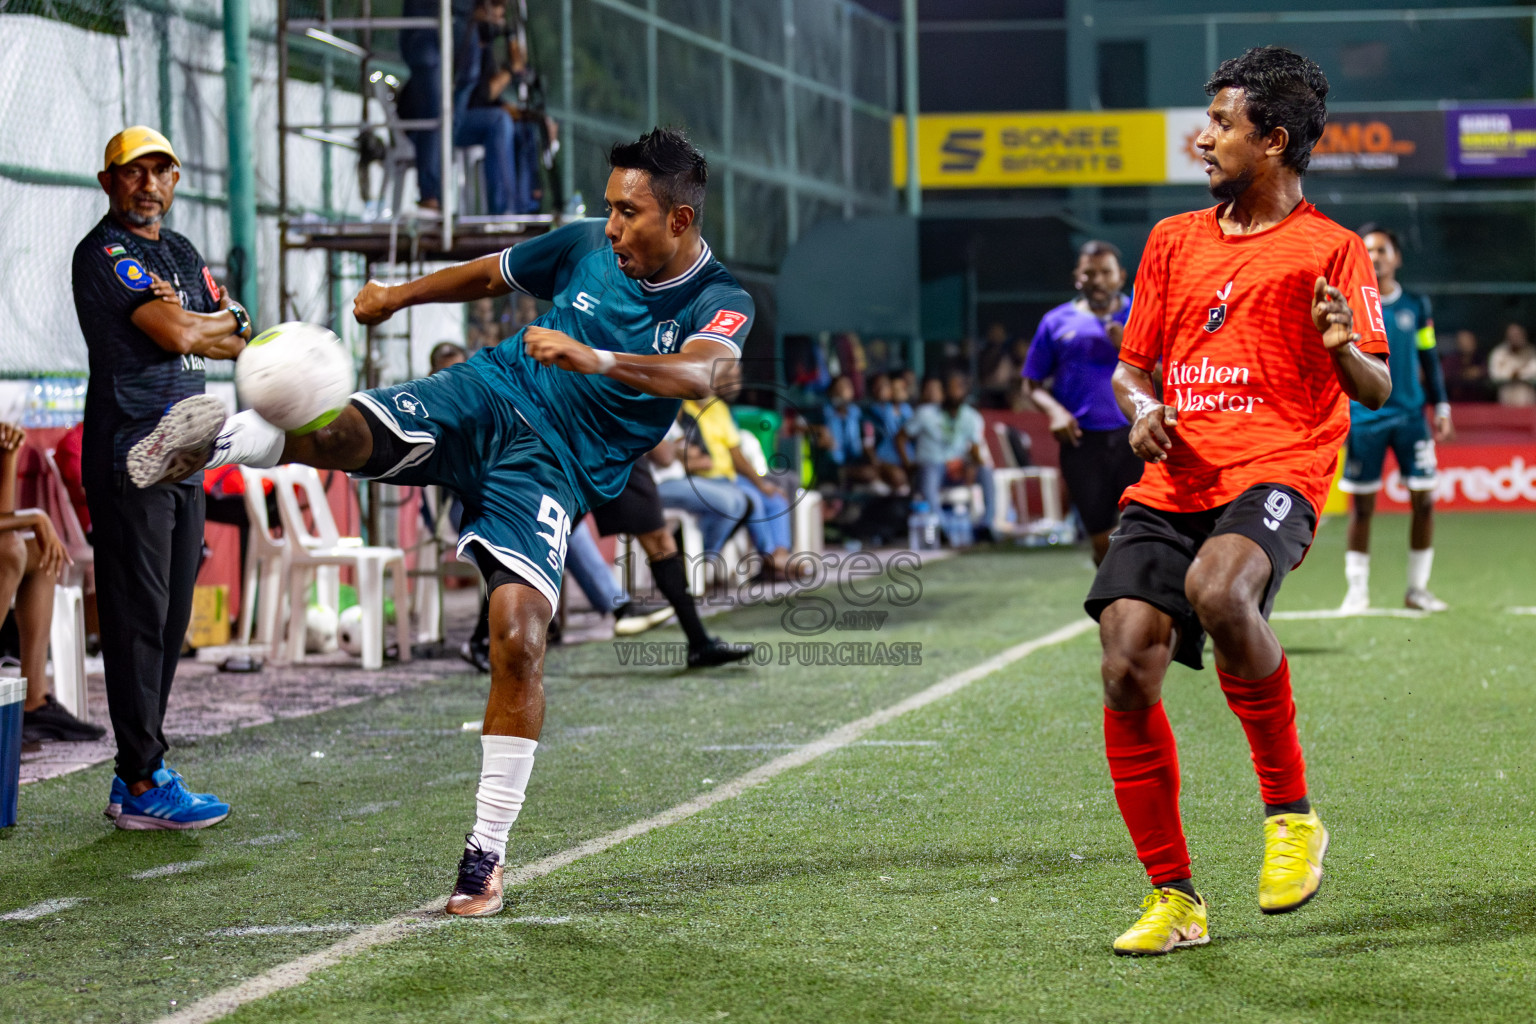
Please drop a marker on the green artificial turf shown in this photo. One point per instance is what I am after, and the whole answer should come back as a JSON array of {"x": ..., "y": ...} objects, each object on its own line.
[{"x": 968, "y": 864}]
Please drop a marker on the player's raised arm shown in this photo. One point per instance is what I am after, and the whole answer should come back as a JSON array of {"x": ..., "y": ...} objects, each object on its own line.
[
  {"x": 1363, "y": 377},
  {"x": 694, "y": 371},
  {"x": 463, "y": 282}
]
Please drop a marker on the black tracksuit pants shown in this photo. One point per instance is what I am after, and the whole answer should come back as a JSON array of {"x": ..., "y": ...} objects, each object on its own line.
[{"x": 148, "y": 544}]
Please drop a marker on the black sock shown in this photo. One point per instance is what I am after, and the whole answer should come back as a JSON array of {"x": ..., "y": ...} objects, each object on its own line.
[
  {"x": 1302, "y": 806},
  {"x": 668, "y": 574},
  {"x": 1184, "y": 885}
]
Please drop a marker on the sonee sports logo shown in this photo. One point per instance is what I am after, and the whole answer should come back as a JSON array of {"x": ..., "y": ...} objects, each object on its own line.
[{"x": 1278, "y": 505}]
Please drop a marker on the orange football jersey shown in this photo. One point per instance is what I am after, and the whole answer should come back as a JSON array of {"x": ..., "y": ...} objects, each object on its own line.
[{"x": 1230, "y": 319}]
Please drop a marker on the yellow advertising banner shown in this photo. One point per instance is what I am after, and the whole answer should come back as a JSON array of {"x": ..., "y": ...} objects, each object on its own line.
[{"x": 1034, "y": 149}]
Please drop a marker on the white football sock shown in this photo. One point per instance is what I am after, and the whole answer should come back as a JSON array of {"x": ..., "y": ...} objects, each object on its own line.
[
  {"x": 248, "y": 440},
  {"x": 506, "y": 762},
  {"x": 1357, "y": 571},
  {"x": 1419, "y": 564}
]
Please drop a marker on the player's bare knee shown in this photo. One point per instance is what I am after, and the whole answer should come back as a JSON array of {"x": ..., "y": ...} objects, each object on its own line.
[
  {"x": 1221, "y": 601},
  {"x": 517, "y": 649}
]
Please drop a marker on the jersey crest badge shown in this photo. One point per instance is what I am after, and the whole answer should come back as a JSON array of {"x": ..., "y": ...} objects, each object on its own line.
[
  {"x": 131, "y": 274},
  {"x": 666, "y": 337},
  {"x": 410, "y": 405},
  {"x": 1215, "y": 317},
  {"x": 1406, "y": 321},
  {"x": 725, "y": 322}
]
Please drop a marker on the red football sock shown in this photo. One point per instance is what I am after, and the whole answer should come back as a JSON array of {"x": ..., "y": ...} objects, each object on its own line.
[
  {"x": 1268, "y": 714},
  {"x": 1144, "y": 762}
]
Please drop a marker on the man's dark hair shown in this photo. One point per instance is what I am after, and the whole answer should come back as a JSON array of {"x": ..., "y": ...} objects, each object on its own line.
[
  {"x": 443, "y": 351},
  {"x": 1098, "y": 247},
  {"x": 678, "y": 171},
  {"x": 1376, "y": 229},
  {"x": 1282, "y": 89}
]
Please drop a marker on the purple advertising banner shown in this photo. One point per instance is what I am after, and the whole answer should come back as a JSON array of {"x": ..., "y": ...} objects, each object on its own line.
[{"x": 1491, "y": 142}]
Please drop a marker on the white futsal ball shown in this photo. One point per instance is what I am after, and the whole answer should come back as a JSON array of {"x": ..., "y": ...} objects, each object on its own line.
[
  {"x": 296, "y": 376},
  {"x": 320, "y": 629},
  {"x": 349, "y": 630}
]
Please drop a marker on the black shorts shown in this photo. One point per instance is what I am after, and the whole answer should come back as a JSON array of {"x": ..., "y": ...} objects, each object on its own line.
[
  {"x": 1152, "y": 550},
  {"x": 636, "y": 510},
  {"x": 1097, "y": 471}
]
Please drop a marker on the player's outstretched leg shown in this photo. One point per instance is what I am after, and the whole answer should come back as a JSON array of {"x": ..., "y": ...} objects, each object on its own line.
[
  {"x": 198, "y": 433},
  {"x": 1226, "y": 585},
  {"x": 514, "y": 716},
  {"x": 1138, "y": 642},
  {"x": 666, "y": 561}
]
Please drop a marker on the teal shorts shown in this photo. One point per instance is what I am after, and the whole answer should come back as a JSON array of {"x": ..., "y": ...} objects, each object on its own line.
[
  {"x": 454, "y": 430},
  {"x": 1366, "y": 454}
]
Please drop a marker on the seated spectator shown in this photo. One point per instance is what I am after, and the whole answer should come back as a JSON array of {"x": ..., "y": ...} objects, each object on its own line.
[
  {"x": 31, "y": 559},
  {"x": 680, "y": 474},
  {"x": 1466, "y": 377},
  {"x": 889, "y": 411},
  {"x": 768, "y": 515},
  {"x": 421, "y": 99},
  {"x": 846, "y": 454},
  {"x": 947, "y": 436},
  {"x": 1512, "y": 367}
]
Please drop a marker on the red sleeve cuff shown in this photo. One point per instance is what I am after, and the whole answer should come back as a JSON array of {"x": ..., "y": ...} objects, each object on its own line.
[
  {"x": 1136, "y": 359},
  {"x": 1370, "y": 346}
]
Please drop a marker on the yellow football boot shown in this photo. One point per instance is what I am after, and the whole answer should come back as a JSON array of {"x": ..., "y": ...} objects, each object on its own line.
[
  {"x": 1294, "y": 845},
  {"x": 1169, "y": 920}
]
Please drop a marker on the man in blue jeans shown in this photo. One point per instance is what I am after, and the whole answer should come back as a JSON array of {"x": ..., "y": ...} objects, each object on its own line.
[
  {"x": 421, "y": 99},
  {"x": 717, "y": 505}
]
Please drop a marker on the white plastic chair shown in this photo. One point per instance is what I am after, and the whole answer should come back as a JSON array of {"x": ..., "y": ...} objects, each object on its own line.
[
  {"x": 261, "y": 595},
  {"x": 807, "y": 528},
  {"x": 309, "y": 552},
  {"x": 66, "y": 642},
  {"x": 62, "y": 511}
]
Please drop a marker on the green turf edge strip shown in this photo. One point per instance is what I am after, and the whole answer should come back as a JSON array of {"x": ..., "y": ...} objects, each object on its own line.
[{"x": 430, "y": 915}]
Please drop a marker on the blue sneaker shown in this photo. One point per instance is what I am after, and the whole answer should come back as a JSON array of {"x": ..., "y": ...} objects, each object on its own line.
[
  {"x": 120, "y": 790},
  {"x": 169, "y": 806}
]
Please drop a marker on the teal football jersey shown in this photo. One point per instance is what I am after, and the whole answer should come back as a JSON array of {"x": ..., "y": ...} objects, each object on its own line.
[
  {"x": 597, "y": 427},
  {"x": 1410, "y": 327}
]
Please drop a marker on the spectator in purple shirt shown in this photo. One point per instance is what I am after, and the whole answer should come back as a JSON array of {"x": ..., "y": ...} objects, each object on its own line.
[{"x": 1067, "y": 375}]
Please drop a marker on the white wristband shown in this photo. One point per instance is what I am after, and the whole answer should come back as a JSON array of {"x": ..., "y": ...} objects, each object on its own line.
[
  {"x": 1442, "y": 409},
  {"x": 605, "y": 360}
]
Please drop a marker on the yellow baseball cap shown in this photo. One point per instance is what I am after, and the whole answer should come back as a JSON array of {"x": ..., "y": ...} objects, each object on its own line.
[{"x": 132, "y": 143}]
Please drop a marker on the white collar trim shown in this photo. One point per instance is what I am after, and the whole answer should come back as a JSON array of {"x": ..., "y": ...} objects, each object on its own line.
[{"x": 704, "y": 257}]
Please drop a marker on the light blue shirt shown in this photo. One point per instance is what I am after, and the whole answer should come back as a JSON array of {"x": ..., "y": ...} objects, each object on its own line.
[{"x": 940, "y": 437}]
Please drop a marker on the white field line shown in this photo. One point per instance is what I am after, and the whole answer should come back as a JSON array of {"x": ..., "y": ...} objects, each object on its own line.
[
  {"x": 280, "y": 929},
  {"x": 43, "y": 909},
  {"x": 1525, "y": 610},
  {"x": 168, "y": 869},
  {"x": 430, "y": 915},
  {"x": 1335, "y": 613}
]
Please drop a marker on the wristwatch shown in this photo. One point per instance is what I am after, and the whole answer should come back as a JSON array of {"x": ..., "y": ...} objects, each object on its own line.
[{"x": 242, "y": 318}]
